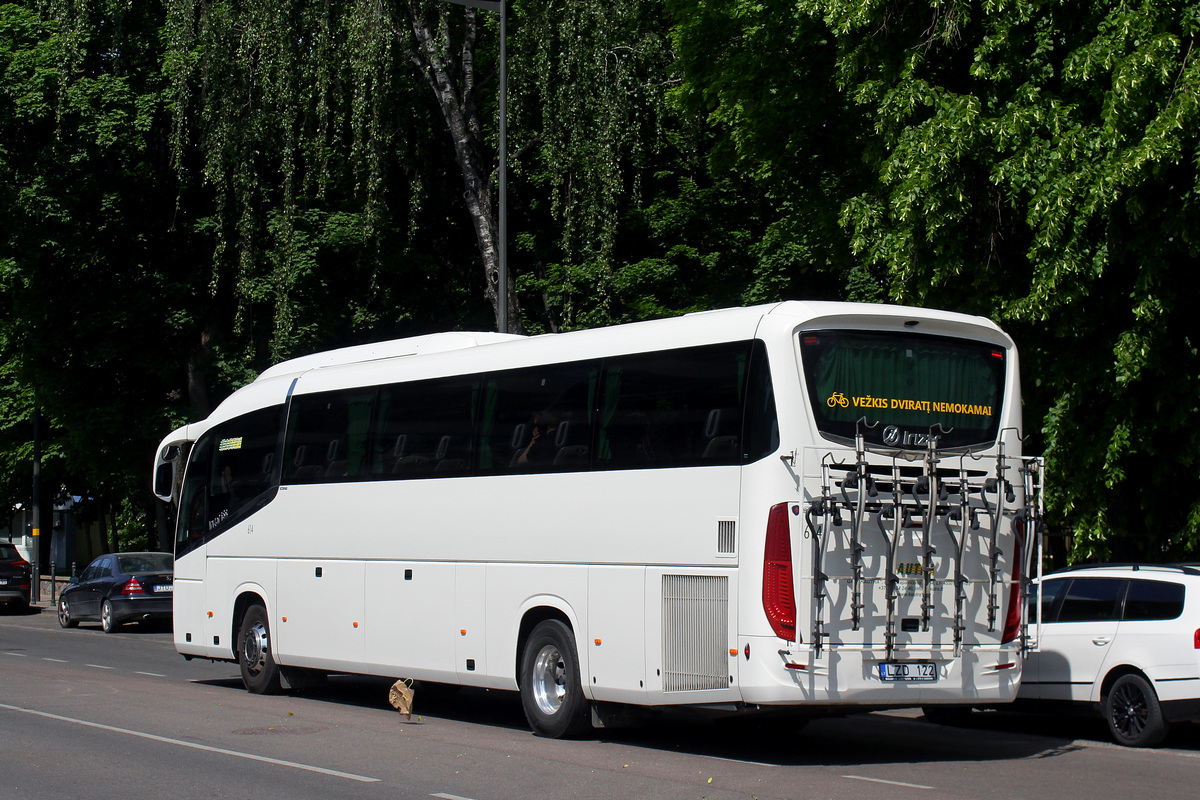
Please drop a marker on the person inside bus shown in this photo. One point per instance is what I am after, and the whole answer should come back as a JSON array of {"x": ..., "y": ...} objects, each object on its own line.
[{"x": 541, "y": 442}]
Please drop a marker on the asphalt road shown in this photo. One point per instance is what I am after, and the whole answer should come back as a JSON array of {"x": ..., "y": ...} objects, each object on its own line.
[{"x": 89, "y": 715}]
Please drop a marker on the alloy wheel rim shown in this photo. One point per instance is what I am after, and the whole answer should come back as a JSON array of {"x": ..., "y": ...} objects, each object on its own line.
[
  {"x": 254, "y": 648},
  {"x": 1129, "y": 711},
  {"x": 549, "y": 673}
]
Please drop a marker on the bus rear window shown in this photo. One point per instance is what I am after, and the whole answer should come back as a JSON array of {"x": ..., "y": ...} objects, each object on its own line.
[{"x": 903, "y": 387}]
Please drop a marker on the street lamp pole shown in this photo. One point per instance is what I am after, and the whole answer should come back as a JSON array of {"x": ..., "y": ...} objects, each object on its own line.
[{"x": 500, "y": 7}]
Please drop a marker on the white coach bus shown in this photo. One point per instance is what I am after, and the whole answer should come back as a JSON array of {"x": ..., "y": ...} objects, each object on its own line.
[{"x": 801, "y": 504}]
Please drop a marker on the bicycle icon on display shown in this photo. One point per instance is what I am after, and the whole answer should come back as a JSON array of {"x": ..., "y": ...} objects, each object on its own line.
[{"x": 837, "y": 399}]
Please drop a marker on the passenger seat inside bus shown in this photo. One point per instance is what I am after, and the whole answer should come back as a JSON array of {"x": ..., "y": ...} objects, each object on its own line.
[
  {"x": 720, "y": 429},
  {"x": 402, "y": 459},
  {"x": 570, "y": 439}
]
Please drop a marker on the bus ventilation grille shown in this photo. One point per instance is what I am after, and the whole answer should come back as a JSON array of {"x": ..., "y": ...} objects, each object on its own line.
[
  {"x": 695, "y": 632},
  {"x": 726, "y": 537}
]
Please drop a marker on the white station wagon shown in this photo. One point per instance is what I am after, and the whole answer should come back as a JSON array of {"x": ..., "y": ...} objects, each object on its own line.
[{"x": 1123, "y": 639}]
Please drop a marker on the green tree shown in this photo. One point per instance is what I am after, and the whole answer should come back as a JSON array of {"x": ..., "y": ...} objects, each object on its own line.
[
  {"x": 1037, "y": 163},
  {"x": 90, "y": 270}
]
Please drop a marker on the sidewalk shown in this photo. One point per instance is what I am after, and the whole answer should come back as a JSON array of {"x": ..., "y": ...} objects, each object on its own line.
[{"x": 56, "y": 584}]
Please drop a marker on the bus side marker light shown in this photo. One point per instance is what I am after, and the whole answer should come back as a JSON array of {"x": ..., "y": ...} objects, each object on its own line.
[
  {"x": 747, "y": 651},
  {"x": 463, "y": 632},
  {"x": 598, "y": 642},
  {"x": 795, "y": 666},
  {"x": 733, "y": 651},
  {"x": 210, "y": 613},
  {"x": 284, "y": 619},
  {"x": 1009, "y": 665},
  {"x": 356, "y": 624}
]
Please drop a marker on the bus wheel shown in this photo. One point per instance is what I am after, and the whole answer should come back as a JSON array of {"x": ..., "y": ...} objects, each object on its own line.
[
  {"x": 551, "y": 692},
  {"x": 260, "y": 674}
]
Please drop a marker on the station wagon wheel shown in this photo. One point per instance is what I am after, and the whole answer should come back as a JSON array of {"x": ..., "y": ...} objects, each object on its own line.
[
  {"x": 108, "y": 622},
  {"x": 260, "y": 673},
  {"x": 64, "y": 614},
  {"x": 551, "y": 692},
  {"x": 1133, "y": 714}
]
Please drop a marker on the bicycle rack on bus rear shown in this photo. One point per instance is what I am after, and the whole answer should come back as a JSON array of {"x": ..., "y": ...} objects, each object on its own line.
[{"x": 957, "y": 498}]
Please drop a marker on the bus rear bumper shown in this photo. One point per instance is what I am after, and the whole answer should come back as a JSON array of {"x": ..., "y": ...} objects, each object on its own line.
[{"x": 852, "y": 676}]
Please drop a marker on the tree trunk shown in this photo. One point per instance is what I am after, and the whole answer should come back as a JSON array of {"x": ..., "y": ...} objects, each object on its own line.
[{"x": 453, "y": 84}]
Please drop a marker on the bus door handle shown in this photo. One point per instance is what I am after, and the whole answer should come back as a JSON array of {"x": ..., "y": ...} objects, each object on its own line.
[{"x": 1100, "y": 641}]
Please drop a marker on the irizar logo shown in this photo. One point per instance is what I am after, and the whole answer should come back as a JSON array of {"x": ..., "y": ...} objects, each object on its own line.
[{"x": 892, "y": 436}]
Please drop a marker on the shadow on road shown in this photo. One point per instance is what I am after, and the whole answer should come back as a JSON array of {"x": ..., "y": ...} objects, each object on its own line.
[{"x": 856, "y": 739}]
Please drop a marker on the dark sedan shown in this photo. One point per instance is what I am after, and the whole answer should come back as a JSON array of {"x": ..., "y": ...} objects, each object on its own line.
[
  {"x": 119, "y": 588},
  {"x": 14, "y": 577}
]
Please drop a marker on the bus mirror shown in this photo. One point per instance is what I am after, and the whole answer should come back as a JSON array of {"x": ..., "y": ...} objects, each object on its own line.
[{"x": 164, "y": 481}]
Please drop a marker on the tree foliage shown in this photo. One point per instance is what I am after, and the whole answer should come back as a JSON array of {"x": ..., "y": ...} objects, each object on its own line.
[{"x": 196, "y": 189}]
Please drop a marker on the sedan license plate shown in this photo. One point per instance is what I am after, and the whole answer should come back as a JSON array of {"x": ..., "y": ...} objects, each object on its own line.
[
  {"x": 912, "y": 671},
  {"x": 165, "y": 587}
]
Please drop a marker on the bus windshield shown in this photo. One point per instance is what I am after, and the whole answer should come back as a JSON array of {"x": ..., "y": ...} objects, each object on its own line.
[{"x": 903, "y": 388}]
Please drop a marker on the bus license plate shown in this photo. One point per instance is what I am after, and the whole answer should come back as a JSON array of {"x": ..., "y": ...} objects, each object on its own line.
[{"x": 916, "y": 671}]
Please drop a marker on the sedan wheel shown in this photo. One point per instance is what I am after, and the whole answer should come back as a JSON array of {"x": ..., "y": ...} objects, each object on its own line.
[
  {"x": 107, "y": 622},
  {"x": 64, "y": 614}
]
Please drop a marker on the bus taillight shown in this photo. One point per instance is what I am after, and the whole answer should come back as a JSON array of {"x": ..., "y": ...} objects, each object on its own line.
[
  {"x": 1012, "y": 622},
  {"x": 779, "y": 599}
]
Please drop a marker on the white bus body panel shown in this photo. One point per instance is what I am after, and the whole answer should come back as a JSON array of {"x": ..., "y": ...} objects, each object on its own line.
[{"x": 430, "y": 578}]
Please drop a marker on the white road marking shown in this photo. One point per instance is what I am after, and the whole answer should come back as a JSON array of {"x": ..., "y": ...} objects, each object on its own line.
[
  {"x": 206, "y": 748},
  {"x": 889, "y": 783},
  {"x": 445, "y": 796},
  {"x": 56, "y": 660},
  {"x": 98, "y": 666},
  {"x": 151, "y": 674}
]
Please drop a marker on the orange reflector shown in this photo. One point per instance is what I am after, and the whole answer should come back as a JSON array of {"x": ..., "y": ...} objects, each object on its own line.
[
  {"x": 210, "y": 613},
  {"x": 463, "y": 632},
  {"x": 356, "y": 624},
  {"x": 597, "y": 641},
  {"x": 733, "y": 651},
  {"x": 284, "y": 619}
]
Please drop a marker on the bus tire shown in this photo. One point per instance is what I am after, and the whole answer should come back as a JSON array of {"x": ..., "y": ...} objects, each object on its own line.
[
  {"x": 260, "y": 673},
  {"x": 551, "y": 689}
]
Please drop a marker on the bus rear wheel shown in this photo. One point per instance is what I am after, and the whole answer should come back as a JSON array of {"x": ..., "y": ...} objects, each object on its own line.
[
  {"x": 551, "y": 690},
  {"x": 260, "y": 673}
]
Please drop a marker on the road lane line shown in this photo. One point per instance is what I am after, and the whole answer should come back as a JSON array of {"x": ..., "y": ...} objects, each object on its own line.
[
  {"x": 194, "y": 746},
  {"x": 18, "y": 655},
  {"x": 98, "y": 666},
  {"x": 56, "y": 660},
  {"x": 151, "y": 674},
  {"x": 445, "y": 796},
  {"x": 889, "y": 783}
]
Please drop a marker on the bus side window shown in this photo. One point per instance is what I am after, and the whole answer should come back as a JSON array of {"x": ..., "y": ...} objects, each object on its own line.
[
  {"x": 328, "y": 436},
  {"x": 426, "y": 428},
  {"x": 761, "y": 423},
  {"x": 538, "y": 419},
  {"x": 675, "y": 408}
]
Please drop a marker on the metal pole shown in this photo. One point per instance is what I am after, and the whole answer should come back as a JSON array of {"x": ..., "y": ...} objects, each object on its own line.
[
  {"x": 502, "y": 290},
  {"x": 35, "y": 584}
]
